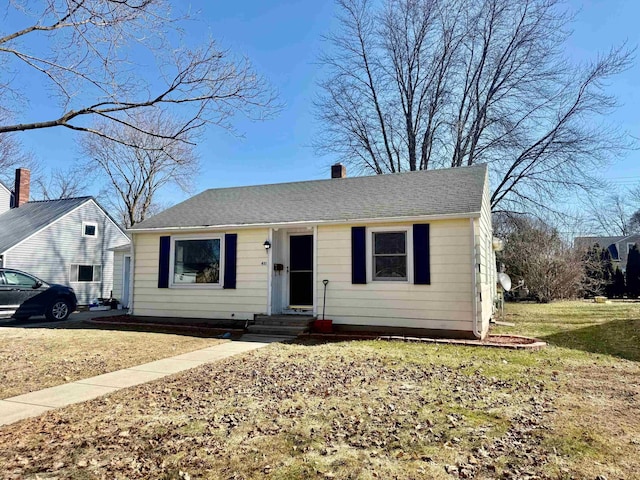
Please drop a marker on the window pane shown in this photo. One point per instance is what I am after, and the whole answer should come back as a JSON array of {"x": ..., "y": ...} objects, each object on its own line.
[
  {"x": 389, "y": 242},
  {"x": 85, "y": 273},
  {"x": 390, "y": 267},
  {"x": 197, "y": 261},
  {"x": 90, "y": 230},
  {"x": 14, "y": 278}
]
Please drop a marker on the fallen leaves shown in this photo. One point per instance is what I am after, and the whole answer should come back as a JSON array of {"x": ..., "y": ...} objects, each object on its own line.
[{"x": 328, "y": 411}]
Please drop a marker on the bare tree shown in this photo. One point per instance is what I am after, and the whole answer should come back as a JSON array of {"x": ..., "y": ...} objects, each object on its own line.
[
  {"x": 143, "y": 163},
  {"x": 86, "y": 53},
  {"x": 12, "y": 156},
  {"x": 611, "y": 215},
  {"x": 419, "y": 84},
  {"x": 62, "y": 183}
]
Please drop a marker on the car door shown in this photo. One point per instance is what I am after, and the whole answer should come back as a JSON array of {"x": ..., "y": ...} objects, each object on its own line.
[
  {"x": 9, "y": 298},
  {"x": 24, "y": 288}
]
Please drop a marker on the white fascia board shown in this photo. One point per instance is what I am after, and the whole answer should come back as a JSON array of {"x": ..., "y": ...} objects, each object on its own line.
[{"x": 308, "y": 223}]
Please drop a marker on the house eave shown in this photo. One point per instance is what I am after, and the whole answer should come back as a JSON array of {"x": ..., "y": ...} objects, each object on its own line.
[{"x": 308, "y": 223}]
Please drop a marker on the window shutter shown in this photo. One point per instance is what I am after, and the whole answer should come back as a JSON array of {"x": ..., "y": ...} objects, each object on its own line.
[
  {"x": 421, "y": 262},
  {"x": 358, "y": 255},
  {"x": 163, "y": 266},
  {"x": 230, "y": 255}
]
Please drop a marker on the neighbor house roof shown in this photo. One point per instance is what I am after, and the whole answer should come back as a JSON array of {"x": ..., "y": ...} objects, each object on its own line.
[
  {"x": 5, "y": 187},
  {"x": 602, "y": 241},
  {"x": 18, "y": 224},
  {"x": 453, "y": 191}
]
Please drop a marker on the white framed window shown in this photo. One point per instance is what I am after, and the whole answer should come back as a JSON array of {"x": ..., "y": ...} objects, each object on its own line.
[
  {"x": 85, "y": 273},
  {"x": 389, "y": 250},
  {"x": 90, "y": 229},
  {"x": 196, "y": 261}
]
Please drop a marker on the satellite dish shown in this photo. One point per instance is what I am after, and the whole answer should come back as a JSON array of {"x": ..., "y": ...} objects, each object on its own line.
[{"x": 504, "y": 281}]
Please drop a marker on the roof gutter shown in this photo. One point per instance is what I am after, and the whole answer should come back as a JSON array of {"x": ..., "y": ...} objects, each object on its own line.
[{"x": 348, "y": 221}]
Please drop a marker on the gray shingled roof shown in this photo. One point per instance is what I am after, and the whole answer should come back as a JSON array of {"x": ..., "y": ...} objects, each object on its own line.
[
  {"x": 19, "y": 223},
  {"x": 411, "y": 194}
]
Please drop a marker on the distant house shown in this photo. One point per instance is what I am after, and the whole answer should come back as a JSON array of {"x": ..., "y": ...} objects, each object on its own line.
[
  {"x": 407, "y": 252},
  {"x": 61, "y": 241},
  {"x": 6, "y": 198},
  {"x": 618, "y": 247}
]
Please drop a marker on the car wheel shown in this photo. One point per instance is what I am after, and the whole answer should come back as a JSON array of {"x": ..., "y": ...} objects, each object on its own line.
[{"x": 58, "y": 310}]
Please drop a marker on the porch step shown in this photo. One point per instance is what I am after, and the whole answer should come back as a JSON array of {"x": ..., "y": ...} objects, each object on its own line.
[
  {"x": 284, "y": 320},
  {"x": 277, "y": 330}
]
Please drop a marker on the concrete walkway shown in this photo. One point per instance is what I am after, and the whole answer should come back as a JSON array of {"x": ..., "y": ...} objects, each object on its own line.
[{"x": 34, "y": 403}]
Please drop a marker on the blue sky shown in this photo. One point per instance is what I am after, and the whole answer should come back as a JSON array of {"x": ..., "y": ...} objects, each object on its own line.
[{"x": 283, "y": 40}]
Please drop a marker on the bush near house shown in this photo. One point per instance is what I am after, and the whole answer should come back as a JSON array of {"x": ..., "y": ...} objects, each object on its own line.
[{"x": 536, "y": 253}]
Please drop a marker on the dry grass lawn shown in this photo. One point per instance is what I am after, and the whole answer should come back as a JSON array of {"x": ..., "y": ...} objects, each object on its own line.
[
  {"x": 36, "y": 358},
  {"x": 368, "y": 410}
]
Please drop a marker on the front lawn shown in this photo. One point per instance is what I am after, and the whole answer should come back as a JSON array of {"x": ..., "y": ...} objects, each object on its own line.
[
  {"x": 364, "y": 410},
  {"x": 36, "y": 358}
]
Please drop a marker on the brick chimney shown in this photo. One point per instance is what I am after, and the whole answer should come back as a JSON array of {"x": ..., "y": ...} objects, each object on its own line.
[
  {"x": 21, "y": 189},
  {"x": 338, "y": 171}
]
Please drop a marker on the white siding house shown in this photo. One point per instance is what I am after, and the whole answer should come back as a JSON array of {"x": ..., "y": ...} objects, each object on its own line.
[
  {"x": 6, "y": 197},
  {"x": 408, "y": 252},
  {"x": 63, "y": 241}
]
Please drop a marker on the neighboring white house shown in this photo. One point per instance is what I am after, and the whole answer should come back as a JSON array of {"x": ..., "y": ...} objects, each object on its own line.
[
  {"x": 409, "y": 251},
  {"x": 6, "y": 198},
  {"x": 61, "y": 241}
]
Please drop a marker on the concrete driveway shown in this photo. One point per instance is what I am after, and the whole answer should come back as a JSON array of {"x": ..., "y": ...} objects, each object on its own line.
[{"x": 75, "y": 317}]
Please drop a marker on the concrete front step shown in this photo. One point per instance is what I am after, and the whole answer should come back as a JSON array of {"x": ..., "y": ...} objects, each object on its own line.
[
  {"x": 275, "y": 330},
  {"x": 284, "y": 320}
]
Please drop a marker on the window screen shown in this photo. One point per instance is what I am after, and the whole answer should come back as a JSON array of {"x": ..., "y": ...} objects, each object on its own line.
[{"x": 389, "y": 256}]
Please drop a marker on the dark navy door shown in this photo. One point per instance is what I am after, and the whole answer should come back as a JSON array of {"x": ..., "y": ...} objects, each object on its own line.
[{"x": 301, "y": 271}]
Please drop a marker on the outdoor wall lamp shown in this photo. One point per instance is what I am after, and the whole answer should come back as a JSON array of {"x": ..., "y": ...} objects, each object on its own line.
[{"x": 266, "y": 245}]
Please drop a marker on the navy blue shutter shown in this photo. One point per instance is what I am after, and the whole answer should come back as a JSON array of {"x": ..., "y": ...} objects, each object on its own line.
[
  {"x": 163, "y": 264},
  {"x": 358, "y": 255},
  {"x": 421, "y": 264},
  {"x": 230, "y": 254}
]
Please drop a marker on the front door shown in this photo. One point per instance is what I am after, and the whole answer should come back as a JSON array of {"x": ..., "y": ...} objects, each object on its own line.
[
  {"x": 126, "y": 274},
  {"x": 301, "y": 271}
]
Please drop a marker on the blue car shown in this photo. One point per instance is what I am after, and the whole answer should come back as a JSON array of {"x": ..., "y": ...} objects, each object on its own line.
[{"x": 22, "y": 296}]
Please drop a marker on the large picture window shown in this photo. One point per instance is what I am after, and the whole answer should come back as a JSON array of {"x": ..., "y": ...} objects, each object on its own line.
[
  {"x": 389, "y": 256},
  {"x": 196, "y": 261}
]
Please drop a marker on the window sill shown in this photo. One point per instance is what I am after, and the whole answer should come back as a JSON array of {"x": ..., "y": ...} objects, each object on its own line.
[{"x": 195, "y": 286}]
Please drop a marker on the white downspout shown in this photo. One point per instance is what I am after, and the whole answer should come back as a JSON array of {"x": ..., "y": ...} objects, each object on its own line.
[
  {"x": 474, "y": 279},
  {"x": 132, "y": 275}
]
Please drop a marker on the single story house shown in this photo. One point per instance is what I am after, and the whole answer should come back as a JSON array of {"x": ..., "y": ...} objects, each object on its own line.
[
  {"x": 408, "y": 252},
  {"x": 65, "y": 241}
]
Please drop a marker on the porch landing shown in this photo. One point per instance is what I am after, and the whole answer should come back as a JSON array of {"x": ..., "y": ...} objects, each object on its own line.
[{"x": 292, "y": 325}]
